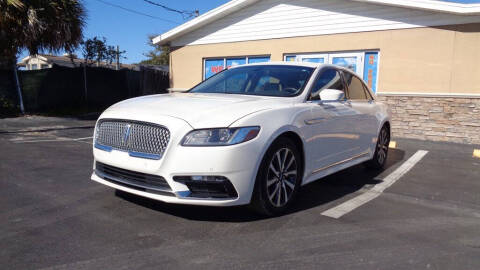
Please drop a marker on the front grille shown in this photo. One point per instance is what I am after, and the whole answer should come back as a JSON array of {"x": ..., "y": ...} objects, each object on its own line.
[
  {"x": 136, "y": 180},
  {"x": 137, "y": 138}
]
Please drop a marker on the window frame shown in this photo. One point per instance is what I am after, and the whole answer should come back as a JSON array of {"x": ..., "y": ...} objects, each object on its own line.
[
  {"x": 332, "y": 54},
  {"x": 367, "y": 91},
  {"x": 368, "y": 97},
  {"x": 225, "y": 58},
  {"x": 320, "y": 73}
]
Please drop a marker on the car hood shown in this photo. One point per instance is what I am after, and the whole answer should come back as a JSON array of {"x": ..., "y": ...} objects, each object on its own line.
[{"x": 199, "y": 110}]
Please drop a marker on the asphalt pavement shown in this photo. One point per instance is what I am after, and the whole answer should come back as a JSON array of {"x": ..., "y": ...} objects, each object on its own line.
[{"x": 54, "y": 217}]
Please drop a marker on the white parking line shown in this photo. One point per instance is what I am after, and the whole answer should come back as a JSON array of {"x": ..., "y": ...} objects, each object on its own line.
[
  {"x": 352, "y": 204},
  {"x": 58, "y": 139}
]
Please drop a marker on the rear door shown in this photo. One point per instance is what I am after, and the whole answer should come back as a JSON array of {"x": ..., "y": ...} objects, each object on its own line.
[{"x": 364, "y": 124}]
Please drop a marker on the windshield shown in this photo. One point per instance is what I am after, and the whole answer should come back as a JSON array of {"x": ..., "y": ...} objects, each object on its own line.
[{"x": 261, "y": 80}]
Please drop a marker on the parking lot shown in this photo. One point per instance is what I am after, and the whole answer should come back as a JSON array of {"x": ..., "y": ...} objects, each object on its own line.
[{"x": 53, "y": 216}]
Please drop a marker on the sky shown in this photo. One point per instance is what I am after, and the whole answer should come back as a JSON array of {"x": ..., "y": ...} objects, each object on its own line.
[{"x": 130, "y": 30}]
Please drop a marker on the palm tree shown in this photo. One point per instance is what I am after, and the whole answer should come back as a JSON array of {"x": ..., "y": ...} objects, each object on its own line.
[{"x": 39, "y": 25}]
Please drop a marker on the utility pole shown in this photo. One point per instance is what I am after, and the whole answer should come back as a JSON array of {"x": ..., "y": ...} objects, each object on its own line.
[{"x": 117, "y": 66}]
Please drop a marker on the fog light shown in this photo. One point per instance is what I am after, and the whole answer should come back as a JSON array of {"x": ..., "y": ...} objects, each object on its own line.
[
  {"x": 208, "y": 186},
  {"x": 207, "y": 178}
]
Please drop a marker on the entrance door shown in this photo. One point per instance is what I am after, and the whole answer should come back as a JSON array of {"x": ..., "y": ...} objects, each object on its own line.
[
  {"x": 352, "y": 61},
  {"x": 312, "y": 58}
]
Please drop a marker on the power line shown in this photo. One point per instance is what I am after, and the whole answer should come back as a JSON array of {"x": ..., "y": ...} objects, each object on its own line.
[
  {"x": 186, "y": 14},
  {"x": 136, "y": 12}
]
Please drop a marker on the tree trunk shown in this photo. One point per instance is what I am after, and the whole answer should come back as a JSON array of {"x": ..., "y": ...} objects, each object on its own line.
[{"x": 19, "y": 91}]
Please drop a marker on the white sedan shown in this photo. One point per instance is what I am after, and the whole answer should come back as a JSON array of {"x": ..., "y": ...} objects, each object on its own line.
[{"x": 252, "y": 134}]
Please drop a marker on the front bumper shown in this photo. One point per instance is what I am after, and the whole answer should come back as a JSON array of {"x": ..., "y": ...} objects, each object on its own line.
[
  {"x": 192, "y": 165},
  {"x": 237, "y": 163},
  {"x": 172, "y": 199}
]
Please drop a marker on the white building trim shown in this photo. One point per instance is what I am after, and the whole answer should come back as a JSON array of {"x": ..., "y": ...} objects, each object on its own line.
[
  {"x": 204, "y": 19},
  {"x": 235, "y": 5},
  {"x": 431, "y": 5}
]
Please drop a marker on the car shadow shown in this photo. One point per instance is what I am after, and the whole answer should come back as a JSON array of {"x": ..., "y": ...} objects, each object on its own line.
[{"x": 315, "y": 194}]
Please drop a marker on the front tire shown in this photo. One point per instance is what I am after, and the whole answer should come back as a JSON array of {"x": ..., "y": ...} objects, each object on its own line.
[
  {"x": 278, "y": 178},
  {"x": 381, "y": 150}
]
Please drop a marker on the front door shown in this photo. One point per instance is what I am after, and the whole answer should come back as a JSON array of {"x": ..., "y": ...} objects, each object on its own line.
[{"x": 327, "y": 130}]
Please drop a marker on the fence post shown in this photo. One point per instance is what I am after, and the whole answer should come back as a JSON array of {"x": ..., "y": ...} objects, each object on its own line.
[
  {"x": 117, "y": 58},
  {"x": 85, "y": 84},
  {"x": 17, "y": 82}
]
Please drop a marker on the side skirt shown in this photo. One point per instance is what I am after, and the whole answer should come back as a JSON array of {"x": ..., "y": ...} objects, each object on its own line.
[{"x": 337, "y": 166}]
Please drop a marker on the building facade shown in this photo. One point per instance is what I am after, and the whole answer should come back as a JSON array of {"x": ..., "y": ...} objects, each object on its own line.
[{"x": 422, "y": 57}]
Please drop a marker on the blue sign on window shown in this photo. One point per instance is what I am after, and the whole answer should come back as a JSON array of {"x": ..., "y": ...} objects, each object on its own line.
[
  {"x": 290, "y": 58},
  {"x": 371, "y": 69},
  {"x": 261, "y": 59},
  {"x": 213, "y": 66},
  {"x": 231, "y": 62}
]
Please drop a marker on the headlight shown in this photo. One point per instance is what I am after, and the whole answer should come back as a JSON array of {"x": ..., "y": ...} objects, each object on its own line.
[{"x": 220, "y": 136}]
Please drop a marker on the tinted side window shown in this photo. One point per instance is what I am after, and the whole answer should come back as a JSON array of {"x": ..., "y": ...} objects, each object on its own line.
[
  {"x": 355, "y": 87},
  {"x": 367, "y": 93},
  {"x": 328, "y": 79}
]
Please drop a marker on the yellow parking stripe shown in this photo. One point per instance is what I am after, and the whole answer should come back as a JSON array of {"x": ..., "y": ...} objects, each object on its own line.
[{"x": 393, "y": 144}]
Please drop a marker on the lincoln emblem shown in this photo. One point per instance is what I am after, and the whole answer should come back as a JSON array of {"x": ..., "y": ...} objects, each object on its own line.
[{"x": 127, "y": 133}]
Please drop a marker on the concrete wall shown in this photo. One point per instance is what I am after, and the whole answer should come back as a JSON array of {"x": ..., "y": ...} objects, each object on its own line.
[{"x": 426, "y": 60}]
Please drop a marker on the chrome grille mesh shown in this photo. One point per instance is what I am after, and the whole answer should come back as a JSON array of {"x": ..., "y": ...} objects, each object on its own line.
[{"x": 132, "y": 136}]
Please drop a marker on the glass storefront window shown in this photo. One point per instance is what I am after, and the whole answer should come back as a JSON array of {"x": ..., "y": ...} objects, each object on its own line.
[
  {"x": 262, "y": 59},
  {"x": 364, "y": 63},
  {"x": 231, "y": 62},
  {"x": 346, "y": 62},
  {"x": 213, "y": 66}
]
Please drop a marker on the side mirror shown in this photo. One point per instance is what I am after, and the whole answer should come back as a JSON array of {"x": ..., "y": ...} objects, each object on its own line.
[{"x": 332, "y": 95}]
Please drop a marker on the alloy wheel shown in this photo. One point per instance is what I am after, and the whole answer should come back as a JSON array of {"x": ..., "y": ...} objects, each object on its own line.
[
  {"x": 281, "y": 177},
  {"x": 382, "y": 146}
]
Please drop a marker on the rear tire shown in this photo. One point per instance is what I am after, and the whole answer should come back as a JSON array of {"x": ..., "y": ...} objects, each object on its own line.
[
  {"x": 278, "y": 178},
  {"x": 381, "y": 150}
]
